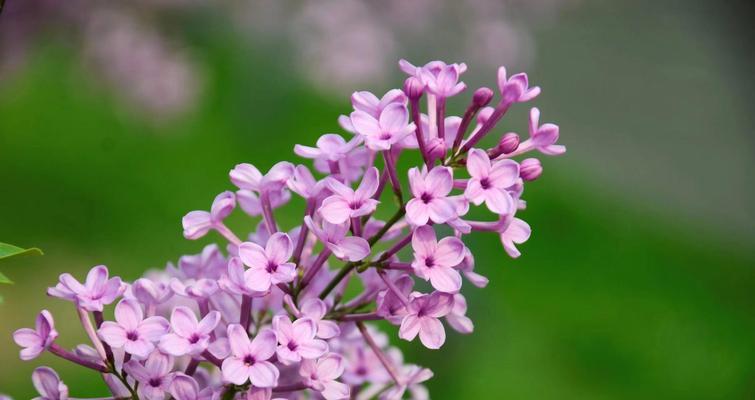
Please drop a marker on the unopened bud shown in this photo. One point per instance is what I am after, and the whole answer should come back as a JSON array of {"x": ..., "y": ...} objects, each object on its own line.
[
  {"x": 509, "y": 143},
  {"x": 413, "y": 88},
  {"x": 436, "y": 148},
  {"x": 482, "y": 97},
  {"x": 530, "y": 169}
]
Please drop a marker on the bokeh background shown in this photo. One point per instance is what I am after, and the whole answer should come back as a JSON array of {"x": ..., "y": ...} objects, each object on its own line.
[{"x": 116, "y": 118}]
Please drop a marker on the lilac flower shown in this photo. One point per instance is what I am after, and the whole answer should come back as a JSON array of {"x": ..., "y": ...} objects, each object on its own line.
[
  {"x": 131, "y": 331},
  {"x": 197, "y": 223},
  {"x": 150, "y": 292},
  {"x": 430, "y": 191},
  {"x": 382, "y": 132},
  {"x": 423, "y": 319},
  {"x": 315, "y": 309},
  {"x": 238, "y": 280},
  {"x": 488, "y": 181},
  {"x": 154, "y": 376},
  {"x": 210, "y": 263},
  {"x": 412, "y": 376},
  {"x": 442, "y": 81},
  {"x": 430, "y": 70},
  {"x": 542, "y": 137},
  {"x": 248, "y": 360},
  {"x": 390, "y": 305},
  {"x": 434, "y": 260},
  {"x": 369, "y": 103},
  {"x": 96, "y": 292},
  {"x": 331, "y": 148},
  {"x": 198, "y": 289},
  {"x": 297, "y": 339},
  {"x": 48, "y": 384},
  {"x": 348, "y": 203},
  {"x": 189, "y": 335},
  {"x": 304, "y": 184},
  {"x": 515, "y": 232},
  {"x": 321, "y": 376},
  {"x": 516, "y": 88},
  {"x": 251, "y": 183},
  {"x": 268, "y": 266},
  {"x": 37, "y": 340},
  {"x": 184, "y": 387},
  {"x": 350, "y": 248}
]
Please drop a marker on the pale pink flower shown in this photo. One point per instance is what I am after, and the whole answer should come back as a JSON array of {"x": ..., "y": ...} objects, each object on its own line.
[
  {"x": 515, "y": 232},
  {"x": 435, "y": 260},
  {"x": 154, "y": 376},
  {"x": 315, "y": 309},
  {"x": 380, "y": 133},
  {"x": 297, "y": 339},
  {"x": 431, "y": 201},
  {"x": 348, "y": 203},
  {"x": 184, "y": 387},
  {"x": 131, "y": 331},
  {"x": 269, "y": 265},
  {"x": 36, "y": 341},
  {"x": 196, "y": 224},
  {"x": 423, "y": 318},
  {"x": 334, "y": 237},
  {"x": 516, "y": 88},
  {"x": 48, "y": 384},
  {"x": 542, "y": 137},
  {"x": 248, "y": 359},
  {"x": 96, "y": 292},
  {"x": 489, "y": 181},
  {"x": 321, "y": 376},
  {"x": 189, "y": 336}
]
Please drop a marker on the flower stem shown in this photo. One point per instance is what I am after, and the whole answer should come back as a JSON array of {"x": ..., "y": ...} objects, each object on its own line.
[{"x": 378, "y": 352}]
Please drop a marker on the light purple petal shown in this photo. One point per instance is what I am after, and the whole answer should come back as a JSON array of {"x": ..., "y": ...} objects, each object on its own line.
[
  {"x": 153, "y": 328},
  {"x": 112, "y": 333},
  {"x": 312, "y": 348},
  {"x": 478, "y": 163},
  {"x": 252, "y": 255},
  {"x": 431, "y": 333},
  {"x": 234, "y": 371},
  {"x": 279, "y": 248},
  {"x": 335, "y": 209},
  {"x": 264, "y": 374},
  {"x": 263, "y": 345},
  {"x": 410, "y": 326},
  {"x": 239, "y": 340},
  {"x": 184, "y": 321},
  {"x": 351, "y": 248},
  {"x": 446, "y": 280},
  {"x": 174, "y": 345}
]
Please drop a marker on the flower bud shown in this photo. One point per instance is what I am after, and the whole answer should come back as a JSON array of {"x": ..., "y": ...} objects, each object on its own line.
[
  {"x": 413, "y": 88},
  {"x": 509, "y": 143},
  {"x": 436, "y": 148},
  {"x": 530, "y": 169},
  {"x": 482, "y": 97}
]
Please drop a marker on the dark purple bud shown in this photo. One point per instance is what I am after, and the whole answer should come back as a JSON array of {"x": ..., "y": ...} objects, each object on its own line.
[
  {"x": 509, "y": 143},
  {"x": 413, "y": 88},
  {"x": 530, "y": 169},
  {"x": 482, "y": 97}
]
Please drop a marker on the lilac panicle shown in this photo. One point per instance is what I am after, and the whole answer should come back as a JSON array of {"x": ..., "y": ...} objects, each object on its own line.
[{"x": 269, "y": 316}]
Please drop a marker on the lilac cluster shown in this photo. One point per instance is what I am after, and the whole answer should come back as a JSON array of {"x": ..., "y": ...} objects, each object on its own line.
[{"x": 271, "y": 318}]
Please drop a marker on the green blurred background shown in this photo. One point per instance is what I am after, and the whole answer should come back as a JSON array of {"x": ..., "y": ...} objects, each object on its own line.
[{"x": 638, "y": 281}]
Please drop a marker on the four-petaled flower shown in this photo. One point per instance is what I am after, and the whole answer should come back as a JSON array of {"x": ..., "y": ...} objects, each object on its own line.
[
  {"x": 269, "y": 265},
  {"x": 431, "y": 201},
  {"x": 315, "y": 309},
  {"x": 334, "y": 237},
  {"x": 248, "y": 359},
  {"x": 423, "y": 318},
  {"x": 35, "y": 341},
  {"x": 297, "y": 339},
  {"x": 189, "y": 336},
  {"x": 435, "y": 260},
  {"x": 348, "y": 203},
  {"x": 184, "y": 387},
  {"x": 321, "y": 375},
  {"x": 514, "y": 232},
  {"x": 542, "y": 137},
  {"x": 197, "y": 223},
  {"x": 516, "y": 88},
  {"x": 383, "y": 131},
  {"x": 131, "y": 331},
  {"x": 489, "y": 181},
  {"x": 96, "y": 292},
  {"x": 154, "y": 376}
]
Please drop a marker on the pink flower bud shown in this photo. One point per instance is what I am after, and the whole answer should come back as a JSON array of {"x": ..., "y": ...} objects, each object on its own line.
[
  {"x": 436, "y": 147},
  {"x": 482, "y": 97},
  {"x": 509, "y": 143},
  {"x": 530, "y": 169},
  {"x": 413, "y": 88}
]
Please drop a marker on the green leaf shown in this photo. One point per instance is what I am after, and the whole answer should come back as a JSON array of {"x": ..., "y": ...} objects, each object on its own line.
[
  {"x": 9, "y": 250},
  {"x": 4, "y": 279}
]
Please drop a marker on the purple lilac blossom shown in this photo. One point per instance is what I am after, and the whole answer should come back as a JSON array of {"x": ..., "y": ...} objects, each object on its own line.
[{"x": 271, "y": 317}]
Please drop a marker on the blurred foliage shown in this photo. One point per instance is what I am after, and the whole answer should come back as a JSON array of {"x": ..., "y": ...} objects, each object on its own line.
[{"x": 608, "y": 301}]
